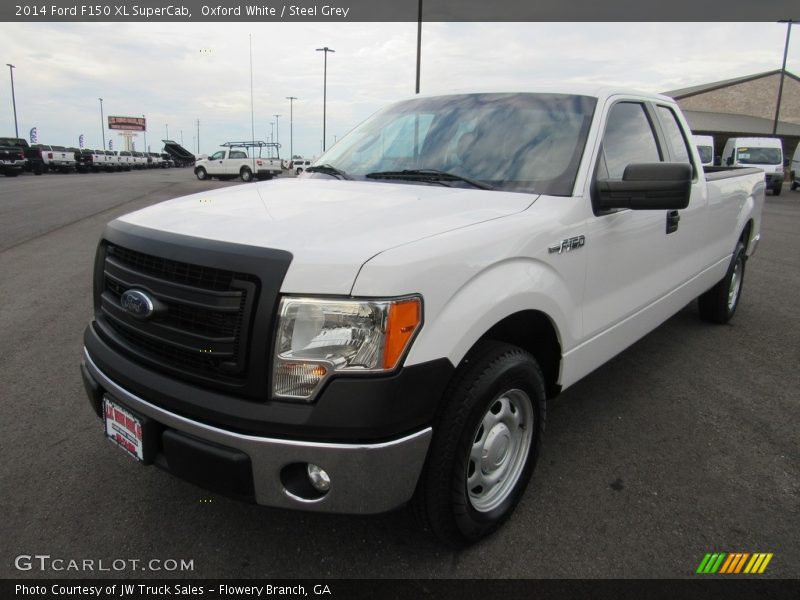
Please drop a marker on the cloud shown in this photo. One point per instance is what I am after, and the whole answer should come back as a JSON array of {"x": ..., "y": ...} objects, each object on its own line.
[{"x": 177, "y": 73}]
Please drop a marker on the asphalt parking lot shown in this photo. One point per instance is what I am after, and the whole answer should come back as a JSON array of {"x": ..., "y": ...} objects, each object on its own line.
[{"x": 686, "y": 443}]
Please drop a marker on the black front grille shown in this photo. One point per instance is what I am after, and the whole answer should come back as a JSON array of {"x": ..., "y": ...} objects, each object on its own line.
[{"x": 199, "y": 329}]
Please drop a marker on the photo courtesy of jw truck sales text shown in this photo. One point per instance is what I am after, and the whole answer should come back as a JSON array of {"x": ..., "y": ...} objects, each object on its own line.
[{"x": 389, "y": 326}]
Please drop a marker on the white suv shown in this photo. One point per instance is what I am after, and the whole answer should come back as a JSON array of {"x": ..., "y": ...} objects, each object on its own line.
[{"x": 300, "y": 164}]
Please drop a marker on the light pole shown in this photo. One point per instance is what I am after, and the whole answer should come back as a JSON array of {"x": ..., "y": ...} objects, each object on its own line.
[
  {"x": 783, "y": 72},
  {"x": 324, "y": 92},
  {"x": 271, "y": 132},
  {"x": 277, "y": 129},
  {"x": 419, "y": 40},
  {"x": 13, "y": 97},
  {"x": 291, "y": 100},
  {"x": 102, "y": 125},
  {"x": 167, "y": 126}
]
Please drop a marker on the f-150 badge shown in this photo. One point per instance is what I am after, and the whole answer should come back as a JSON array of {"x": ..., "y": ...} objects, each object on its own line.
[{"x": 567, "y": 245}]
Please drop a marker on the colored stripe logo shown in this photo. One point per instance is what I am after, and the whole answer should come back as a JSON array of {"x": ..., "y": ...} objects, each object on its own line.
[{"x": 734, "y": 563}]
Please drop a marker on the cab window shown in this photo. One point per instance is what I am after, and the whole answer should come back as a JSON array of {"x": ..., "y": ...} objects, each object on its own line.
[
  {"x": 629, "y": 138},
  {"x": 672, "y": 130}
]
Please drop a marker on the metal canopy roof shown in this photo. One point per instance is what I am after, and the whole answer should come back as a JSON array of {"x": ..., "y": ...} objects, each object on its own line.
[{"x": 732, "y": 123}]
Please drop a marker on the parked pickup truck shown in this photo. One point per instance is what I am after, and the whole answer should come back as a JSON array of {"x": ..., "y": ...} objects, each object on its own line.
[
  {"x": 56, "y": 158},
  {"x": 389, "y": 326},
  {"x": 90, "y": 160},
  {"x": 12, "y": 157},
  {"x": 245, "y": 160},
  {"x": 33, "y": 156}
]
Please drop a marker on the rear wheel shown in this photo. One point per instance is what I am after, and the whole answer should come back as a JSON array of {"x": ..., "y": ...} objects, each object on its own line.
[
  {"x": 201, "y": 174},
  {"x": 718, "y": 304},
  {"x": 776, "y": 191},
  {"x": 246, "y": 174},
  {"x": 485, "y": 445}
]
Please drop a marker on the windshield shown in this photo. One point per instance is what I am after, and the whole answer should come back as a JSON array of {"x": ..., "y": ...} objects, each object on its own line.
[
  {"x": 514, "y": 142},
  {"x": 759, "y": 156}
]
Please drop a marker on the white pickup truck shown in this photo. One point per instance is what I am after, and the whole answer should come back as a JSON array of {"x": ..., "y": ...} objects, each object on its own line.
[
  {"x": 389, "y": 326},
  {"x": 245, "y": 160},
  {"x": 56, "y": 158}
]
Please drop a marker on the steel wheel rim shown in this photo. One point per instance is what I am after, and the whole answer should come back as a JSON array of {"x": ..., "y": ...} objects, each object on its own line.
[
  {"x": 500, "y": 446},
  {"x": 736, "y": 285}
]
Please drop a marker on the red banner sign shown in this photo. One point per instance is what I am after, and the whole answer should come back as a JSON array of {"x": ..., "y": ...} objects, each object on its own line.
[{"x": 127, "y": 123}]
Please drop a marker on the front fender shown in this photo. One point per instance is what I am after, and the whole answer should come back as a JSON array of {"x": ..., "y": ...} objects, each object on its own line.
[{"x": 453, "y": 324}]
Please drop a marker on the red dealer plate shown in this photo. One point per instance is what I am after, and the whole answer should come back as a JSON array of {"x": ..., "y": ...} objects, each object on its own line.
[{"x": 123, "y": 428}]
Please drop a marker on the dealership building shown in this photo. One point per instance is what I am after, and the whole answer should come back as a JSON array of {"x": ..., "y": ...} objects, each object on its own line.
[{"x": 744, "y": 107}]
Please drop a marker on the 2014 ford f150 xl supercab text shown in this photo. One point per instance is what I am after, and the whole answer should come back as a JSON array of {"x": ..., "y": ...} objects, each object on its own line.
[{"x": 390, "y": 325}]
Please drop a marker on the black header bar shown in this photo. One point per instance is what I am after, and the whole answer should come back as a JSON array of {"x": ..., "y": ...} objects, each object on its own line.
[{"x": 338, "y": 11}]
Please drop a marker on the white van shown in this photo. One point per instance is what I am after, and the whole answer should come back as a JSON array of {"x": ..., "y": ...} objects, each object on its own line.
[
  {"x": 795, "y": 168},
  {"x": 705, "y": 148},
  {"x": 763, "y": 153}
]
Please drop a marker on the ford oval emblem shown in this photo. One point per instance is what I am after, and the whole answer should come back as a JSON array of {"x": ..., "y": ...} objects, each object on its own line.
[{"x": 137, "y": 303}]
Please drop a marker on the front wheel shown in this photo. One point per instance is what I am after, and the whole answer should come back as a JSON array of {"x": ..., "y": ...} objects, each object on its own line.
[
  {"x": 246, "y": 174},
  {"x": 485, "y": 445},
  {"x": 201, "y": 174},
  {"x": 719, "y": 303}
]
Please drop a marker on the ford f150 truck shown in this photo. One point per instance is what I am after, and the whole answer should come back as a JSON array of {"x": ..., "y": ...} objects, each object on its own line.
[
  {"x": 389, "y": 326},
  {"x": 241, "y": 159}
]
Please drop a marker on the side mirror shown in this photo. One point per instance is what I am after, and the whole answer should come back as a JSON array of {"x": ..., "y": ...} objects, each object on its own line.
[{"x": 647, "y": 186}]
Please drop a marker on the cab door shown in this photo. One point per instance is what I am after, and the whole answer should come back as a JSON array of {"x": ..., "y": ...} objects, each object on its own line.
[
  {"x": 690, "y": 241},
  {"x": 216, "y": 163},
  {"x": 629, "y": 252}
]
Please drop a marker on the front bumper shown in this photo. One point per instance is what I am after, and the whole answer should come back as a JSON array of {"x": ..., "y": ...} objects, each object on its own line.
[{"x": 365, "y": 477}]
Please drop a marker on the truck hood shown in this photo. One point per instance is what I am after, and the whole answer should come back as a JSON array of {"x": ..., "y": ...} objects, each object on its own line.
[{"x": 331, "y": 227}]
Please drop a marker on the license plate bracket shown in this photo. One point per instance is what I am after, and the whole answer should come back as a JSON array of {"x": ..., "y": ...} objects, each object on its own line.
[{"x": 133, "y": 433}]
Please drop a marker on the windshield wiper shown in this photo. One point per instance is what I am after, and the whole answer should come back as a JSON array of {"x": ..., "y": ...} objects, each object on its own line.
[
  {"x": 328, "y": 170},
  {"x": 427, "y": 175}
]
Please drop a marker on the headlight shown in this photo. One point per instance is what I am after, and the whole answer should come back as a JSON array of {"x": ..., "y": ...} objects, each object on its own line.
[{"x": 317, "y": 338}]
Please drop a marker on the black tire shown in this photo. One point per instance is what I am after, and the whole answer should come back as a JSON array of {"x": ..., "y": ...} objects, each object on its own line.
[
  {"x": 776, "y": 191},
  {"x": 38, "y": 169},
  {"x": 201, "y": 174},
  {"x": 794, "y": 185},
  {"x": 298, "y": 171},
  {"x": 493, "y": 379},
  {"x": 718, "y": 305},
  {"x": 246, "y": 175},
  {"x": 12, "y": 173}
]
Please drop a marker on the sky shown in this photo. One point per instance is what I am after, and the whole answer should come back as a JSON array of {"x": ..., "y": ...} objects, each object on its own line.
[{"x": 177, "y": 73}]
